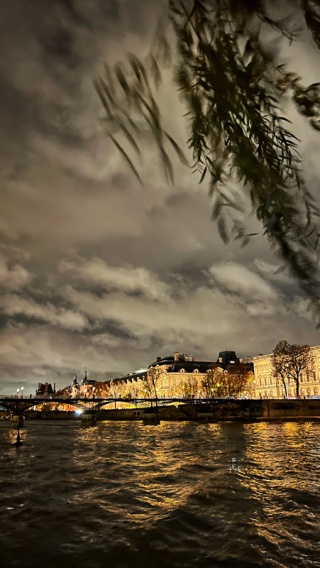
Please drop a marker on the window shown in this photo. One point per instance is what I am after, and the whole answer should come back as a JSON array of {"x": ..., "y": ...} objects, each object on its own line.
[
  {"x": 260, "y": 382},
  {"x": 182, "y": 371},
  {"x": 315, "y": 391},
  {"x": 265, "y": 381},
  {"x": 270, "y": 380}
]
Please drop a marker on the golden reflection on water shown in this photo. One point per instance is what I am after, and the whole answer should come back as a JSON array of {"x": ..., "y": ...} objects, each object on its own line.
[
  {"x": 156, "y": 461},
  {"x": 279, "y": 472},
  {"x": 210, "y": 494},
  {"x": 13, "y": 432}
]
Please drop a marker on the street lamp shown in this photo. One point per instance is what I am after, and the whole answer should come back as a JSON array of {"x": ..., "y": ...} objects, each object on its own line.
[
  {"x": 18, "y": 393},
  {"x": 22, "y": 392}
]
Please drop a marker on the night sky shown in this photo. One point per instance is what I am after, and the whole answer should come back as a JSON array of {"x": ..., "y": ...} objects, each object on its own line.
[{"x": 96, "y": 271}]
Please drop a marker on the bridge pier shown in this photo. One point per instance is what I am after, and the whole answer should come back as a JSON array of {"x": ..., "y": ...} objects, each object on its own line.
[
  {"x": 17, "y": 421},
  {"x": 88, "y": 419},
  {"x": 151, "y": 417}
]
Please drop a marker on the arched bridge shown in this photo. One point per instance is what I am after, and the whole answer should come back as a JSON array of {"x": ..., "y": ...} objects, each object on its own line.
[{"x": 21, "y": 405}]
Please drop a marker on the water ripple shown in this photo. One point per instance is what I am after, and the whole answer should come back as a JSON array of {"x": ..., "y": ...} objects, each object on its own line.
[{"x": 180, "y": 495}]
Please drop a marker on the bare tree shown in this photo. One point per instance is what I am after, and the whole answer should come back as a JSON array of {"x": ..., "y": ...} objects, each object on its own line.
[
  {"x": 300, "y": 362},
  {"x": 292, "y": 361},
  {"x": 152, "y": 379},
  {"x": 280, "y": 363}
]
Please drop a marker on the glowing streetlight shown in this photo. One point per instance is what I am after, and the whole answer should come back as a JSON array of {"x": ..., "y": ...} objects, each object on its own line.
[{"x": 22, "y": 392}]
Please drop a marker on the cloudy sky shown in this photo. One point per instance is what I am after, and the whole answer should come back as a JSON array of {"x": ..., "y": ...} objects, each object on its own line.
[{"x": 95, "y": 271}]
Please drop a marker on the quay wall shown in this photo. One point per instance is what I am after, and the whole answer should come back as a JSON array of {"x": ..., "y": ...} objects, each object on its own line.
[
  {"x": 52, "y": 415},
  {"x": 234, "y": 410}
]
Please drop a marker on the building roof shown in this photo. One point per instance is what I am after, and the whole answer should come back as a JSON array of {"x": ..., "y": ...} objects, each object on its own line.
[
  {"x": 45, "y": 388},
  {"x": 175, "y": 363},
  {"x": 224, "y": 360}
]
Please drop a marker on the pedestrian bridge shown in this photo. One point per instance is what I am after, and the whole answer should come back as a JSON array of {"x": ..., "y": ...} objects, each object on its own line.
[{"x": 21, "y": 405}]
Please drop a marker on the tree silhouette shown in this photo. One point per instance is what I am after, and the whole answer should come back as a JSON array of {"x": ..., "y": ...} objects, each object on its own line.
[
  {"x": 233, "y": 85},
  {"x": 152, "y": 380},
  {"x": 292, "y": 361},
  {"x": 212, "y": 383},
  {"x": 280, "y": 363}
]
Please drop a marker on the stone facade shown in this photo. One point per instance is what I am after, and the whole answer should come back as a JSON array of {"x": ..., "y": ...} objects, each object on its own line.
[
  {"x": 179, "y": 376},
  {"x": 266, "y": 386}
]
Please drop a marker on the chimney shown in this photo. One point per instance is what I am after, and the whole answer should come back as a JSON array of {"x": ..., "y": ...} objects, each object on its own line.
[
  {"x": 176, "y": 356},
  {"x": 39, "y": 386},
  {"x": 186, "y": 358},
  {"x": 240, "y": 360},
  {"x": 158, "y": 358},
  {"x": 220, "y": 359},
  {"x": 248, "y": 359},
  {"x": 193, "y": 358}
]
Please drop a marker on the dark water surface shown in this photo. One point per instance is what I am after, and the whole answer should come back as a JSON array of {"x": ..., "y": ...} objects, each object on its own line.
[{"x": 179, "y": 495}]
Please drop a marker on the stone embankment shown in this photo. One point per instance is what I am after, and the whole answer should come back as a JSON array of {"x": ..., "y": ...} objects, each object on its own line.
[{"x": 213, "y": 411}]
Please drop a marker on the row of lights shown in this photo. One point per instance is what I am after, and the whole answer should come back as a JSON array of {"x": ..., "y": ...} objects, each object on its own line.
[{"x": 18, "y": 390}]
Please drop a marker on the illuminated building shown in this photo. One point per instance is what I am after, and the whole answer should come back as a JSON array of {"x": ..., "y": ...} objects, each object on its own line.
[
  {"x": 83, "y": 387},
  {"x": 179, "y": 375},
  {"x": 266, "y": 386}
]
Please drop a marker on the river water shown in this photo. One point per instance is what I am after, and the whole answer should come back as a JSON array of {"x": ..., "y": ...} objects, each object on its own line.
[{"x": 177, "y": 495}]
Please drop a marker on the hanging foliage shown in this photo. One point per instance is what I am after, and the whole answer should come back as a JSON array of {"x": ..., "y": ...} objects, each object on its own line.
[{"x": 233, "y": 85}]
